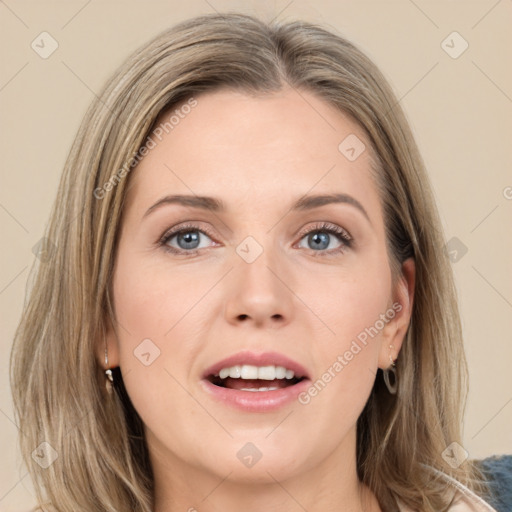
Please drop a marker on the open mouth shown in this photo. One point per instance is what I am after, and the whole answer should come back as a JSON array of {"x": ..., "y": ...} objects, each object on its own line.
[
  {"x": 241, "y": 384},
  {"x": 275, "y": 381}
]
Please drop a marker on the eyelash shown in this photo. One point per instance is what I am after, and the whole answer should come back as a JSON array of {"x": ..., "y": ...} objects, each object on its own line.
[{"x": 326, "y": 227}]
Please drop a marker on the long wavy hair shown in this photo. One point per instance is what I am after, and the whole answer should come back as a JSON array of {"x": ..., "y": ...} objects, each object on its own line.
[{"x": 57, "y": 382}]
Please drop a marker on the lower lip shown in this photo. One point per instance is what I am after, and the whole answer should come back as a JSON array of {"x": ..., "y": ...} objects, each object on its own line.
[{"x": 256, "y": 401}]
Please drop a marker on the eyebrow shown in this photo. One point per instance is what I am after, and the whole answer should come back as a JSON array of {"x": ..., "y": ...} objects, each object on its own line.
[{"x": 217, "y": 205}]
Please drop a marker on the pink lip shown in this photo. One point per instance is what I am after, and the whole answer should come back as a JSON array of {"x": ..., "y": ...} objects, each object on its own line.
[
  {"x": 263, "y": 359},
  {"x": 256, "y": 401}
]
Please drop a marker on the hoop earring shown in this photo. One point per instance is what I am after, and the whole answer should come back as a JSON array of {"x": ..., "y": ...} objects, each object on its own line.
[
  {"x": 392, "y": 386},
  {"x": 109, "y": 380}
]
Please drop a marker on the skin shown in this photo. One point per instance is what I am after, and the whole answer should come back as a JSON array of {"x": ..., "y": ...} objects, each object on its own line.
[{"x": 259, "y": 155}]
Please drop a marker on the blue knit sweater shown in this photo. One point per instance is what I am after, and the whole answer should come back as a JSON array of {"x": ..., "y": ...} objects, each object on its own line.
[{"x": 498, "y": 471}]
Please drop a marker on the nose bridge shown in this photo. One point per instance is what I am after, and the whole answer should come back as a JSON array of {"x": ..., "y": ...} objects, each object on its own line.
[
  {"x": 260, "y": 248},
  {"x": 258, "y": 257},
  {"x": 258, "y": 290}
]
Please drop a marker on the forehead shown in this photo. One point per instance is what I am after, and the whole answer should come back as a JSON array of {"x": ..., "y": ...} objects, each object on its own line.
[{"x": 243, "y": 147}]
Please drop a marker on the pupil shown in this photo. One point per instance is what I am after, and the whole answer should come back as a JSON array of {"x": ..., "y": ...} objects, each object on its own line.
[
  {"x": 320, "y": 239},
  {"x": 190, "y": 237}
]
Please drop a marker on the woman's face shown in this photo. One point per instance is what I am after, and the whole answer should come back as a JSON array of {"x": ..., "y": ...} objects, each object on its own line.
[{"x": 264, "y": 278}]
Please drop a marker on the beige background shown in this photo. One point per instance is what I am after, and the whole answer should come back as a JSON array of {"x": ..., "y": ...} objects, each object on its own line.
[{"x": 460, "y": 110}]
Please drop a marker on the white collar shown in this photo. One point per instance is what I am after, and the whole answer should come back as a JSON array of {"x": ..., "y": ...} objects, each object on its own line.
[{"x": 467, "y": 500}]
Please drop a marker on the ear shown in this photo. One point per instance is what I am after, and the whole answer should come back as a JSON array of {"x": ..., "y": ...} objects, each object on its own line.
[
  {"x": 110, "y": 342},
  {"x": 394, "y": 332}
]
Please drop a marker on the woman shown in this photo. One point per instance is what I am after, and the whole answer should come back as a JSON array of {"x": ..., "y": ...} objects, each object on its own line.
[{"x": 247, "y": 304}]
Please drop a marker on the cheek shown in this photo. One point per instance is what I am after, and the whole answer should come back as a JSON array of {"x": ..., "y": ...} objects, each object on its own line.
[
  {"x": 158, "y": 340},
  {"x": 354, "y": 309},
  {"x": 348, "y": 303},
  {"x": 347, "y": 361},
  {"x": 152, "y": 302}
]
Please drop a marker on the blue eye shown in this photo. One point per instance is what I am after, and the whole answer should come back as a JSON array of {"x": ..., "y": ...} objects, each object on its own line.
[
  {"x": 187, "y": 239},
  {"x": 320, "y": 237}
]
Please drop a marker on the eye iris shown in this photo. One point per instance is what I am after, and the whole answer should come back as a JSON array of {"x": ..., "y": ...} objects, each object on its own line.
[
  {"x": 321, "y": 240},
  {"x": 189, "y": 237}
]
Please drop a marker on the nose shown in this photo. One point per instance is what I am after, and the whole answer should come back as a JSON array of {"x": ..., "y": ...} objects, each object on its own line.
[{"x": 260, "y": 293}]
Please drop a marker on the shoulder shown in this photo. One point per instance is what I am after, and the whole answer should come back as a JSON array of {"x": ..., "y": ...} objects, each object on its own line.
[{"x": 465, "y": 500}]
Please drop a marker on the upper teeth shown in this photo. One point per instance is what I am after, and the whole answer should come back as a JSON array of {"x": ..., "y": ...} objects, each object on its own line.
[{"x": 248, "y": 371}]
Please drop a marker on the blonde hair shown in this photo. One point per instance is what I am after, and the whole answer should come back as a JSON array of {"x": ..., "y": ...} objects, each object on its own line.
[{"x": 57, "y": 383}]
